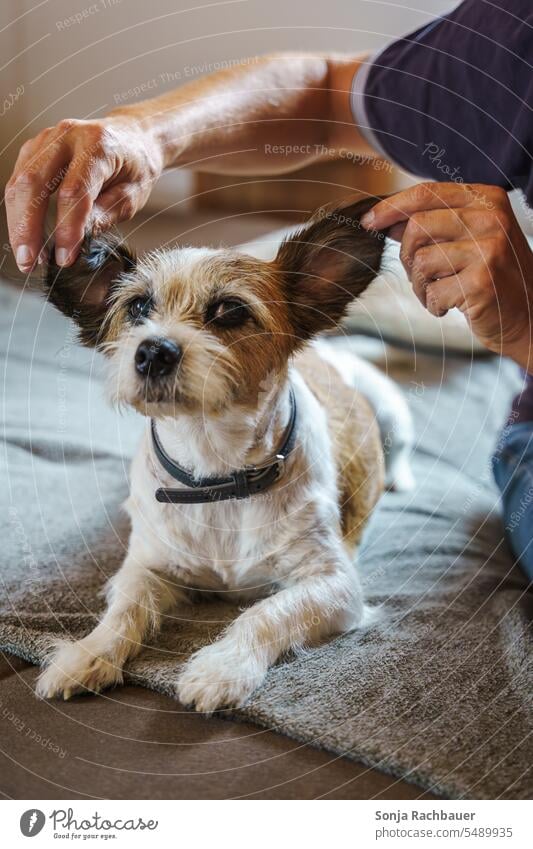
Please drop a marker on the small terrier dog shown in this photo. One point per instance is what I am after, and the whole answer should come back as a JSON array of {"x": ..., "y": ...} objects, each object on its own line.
[{"x": 261, "y": 463}]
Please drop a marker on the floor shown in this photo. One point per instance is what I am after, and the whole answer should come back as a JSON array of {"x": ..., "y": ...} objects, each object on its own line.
[{"x": 130, "y": 743}]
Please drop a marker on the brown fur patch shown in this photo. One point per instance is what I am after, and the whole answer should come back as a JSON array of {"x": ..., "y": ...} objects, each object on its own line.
[
  {"x": 259, "y": 347},
  {"x": 355, "y": 440}
]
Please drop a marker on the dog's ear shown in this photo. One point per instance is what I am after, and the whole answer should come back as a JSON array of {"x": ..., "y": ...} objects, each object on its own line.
[
  {"x": 83, "y": 290},
  {"x": 326, "y": 264}
]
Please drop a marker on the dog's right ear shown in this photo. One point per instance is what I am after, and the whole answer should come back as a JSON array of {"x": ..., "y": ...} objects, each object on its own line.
[
  {"x": 83, "y": 290},
  {"x": 328, "y": 263}
]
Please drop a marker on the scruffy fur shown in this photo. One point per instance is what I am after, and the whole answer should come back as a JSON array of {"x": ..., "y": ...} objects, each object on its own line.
[{"x": 288, "y": 552}]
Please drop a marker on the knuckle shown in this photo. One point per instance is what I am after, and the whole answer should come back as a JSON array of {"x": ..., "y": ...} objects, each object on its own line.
[
  {"x": 406, "y": 258},
  {"x": 498, "y": 194},
  {"x": 423, "y": 190},
  {"x": 503, "y": 219},
  {"x": 128, "y": 208},
  {"x": 26, "y": 148},
  {"x": 68, "y": 232},
  {"x": 419, "y": 222},
  {"x": 495, "y": 248},
  {"x": 482, "y": 286},
  {"x": 433, "y": 303},
  {"x": 467, "y": 219},
  {"x": 66, "y": 124},
  {"x": 10, "y": 188},
  {"x": 412, "y": 229},
  {"x": 421, "y": 262},
  {"x": 472, "y": 188},
  {"x": 45, "y": 137},
  {"x": 431, "y": 299},
  {"x": 26, "y": 180},
  {"x": 419, "y": 218},
  {"x": 102, "y": 140},
  {"x": 73, "y": 190}
]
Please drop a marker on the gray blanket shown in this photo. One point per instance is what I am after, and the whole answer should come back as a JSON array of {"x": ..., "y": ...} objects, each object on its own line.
[{"x": 439, "y": 693}]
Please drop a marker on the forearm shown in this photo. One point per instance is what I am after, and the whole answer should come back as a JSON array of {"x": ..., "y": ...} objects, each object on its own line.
[{"x": 269, "y": 116}]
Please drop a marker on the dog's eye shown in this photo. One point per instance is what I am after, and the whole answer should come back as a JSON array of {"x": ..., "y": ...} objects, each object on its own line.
[
  {"x": 139, "y": 308},
  {"x": 228, "y": 313}
]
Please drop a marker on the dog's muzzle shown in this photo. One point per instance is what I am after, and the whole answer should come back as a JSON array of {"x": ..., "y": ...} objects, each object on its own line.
[{"x": 157, "y": 357}]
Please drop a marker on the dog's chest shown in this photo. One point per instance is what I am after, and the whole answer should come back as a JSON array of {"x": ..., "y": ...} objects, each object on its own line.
[
  {"x": 244, "y": 545},
  {"x": 230, "y": 546}
]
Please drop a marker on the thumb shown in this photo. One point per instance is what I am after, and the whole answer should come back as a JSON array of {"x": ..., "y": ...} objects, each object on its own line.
[{"x": 118, "y": 203}]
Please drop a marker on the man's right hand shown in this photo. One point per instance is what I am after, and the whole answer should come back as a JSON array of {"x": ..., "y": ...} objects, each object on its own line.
[
  {"x": 103, "y": 172},
  {"x": 241, "y": 120}
]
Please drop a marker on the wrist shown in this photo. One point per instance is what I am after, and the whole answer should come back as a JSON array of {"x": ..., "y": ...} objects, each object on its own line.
[
  {"x": 521, "y": 351},
  {"x": 136, "y": 123}
]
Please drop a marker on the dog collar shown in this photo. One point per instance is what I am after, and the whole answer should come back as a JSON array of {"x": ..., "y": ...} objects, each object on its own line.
[{"x": 239, "y": 484}]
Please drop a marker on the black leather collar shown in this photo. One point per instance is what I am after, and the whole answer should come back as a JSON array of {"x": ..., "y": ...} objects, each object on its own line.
[{"x": 241, "y": 483}]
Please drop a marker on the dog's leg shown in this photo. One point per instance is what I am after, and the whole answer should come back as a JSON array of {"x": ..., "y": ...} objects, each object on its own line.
[
  {"x": 315, "y": 602},
  {"x": 137, "y": 597}
]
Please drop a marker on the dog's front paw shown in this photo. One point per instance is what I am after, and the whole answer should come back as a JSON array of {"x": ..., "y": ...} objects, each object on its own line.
[
  {"x": 219, "y": 676},
  {"x": 74, "y": 668}
]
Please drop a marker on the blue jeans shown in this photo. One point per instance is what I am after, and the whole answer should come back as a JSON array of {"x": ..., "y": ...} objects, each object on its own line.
[{"x": 512, "y": 465}]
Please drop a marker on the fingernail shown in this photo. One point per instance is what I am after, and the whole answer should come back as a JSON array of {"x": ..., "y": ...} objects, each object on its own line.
[
  {"x": 368, "y": 219},
  {"x": 61, "y": 256},
  {"x": 42, "y": 259},
  {"x": 24, "y": 257}
]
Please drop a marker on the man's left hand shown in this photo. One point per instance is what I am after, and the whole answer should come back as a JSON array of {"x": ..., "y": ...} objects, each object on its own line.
[{"x": 462, "y": 246}]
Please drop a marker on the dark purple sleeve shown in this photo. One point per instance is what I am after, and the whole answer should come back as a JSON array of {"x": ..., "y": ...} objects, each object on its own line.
[{"x": 454, "y": 100}]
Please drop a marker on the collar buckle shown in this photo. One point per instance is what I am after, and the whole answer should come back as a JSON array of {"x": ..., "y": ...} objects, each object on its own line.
[{"x": 280, "y": 465}]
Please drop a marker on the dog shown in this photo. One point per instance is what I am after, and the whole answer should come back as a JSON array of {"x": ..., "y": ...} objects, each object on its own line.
[{"x": 260, "y": 464}]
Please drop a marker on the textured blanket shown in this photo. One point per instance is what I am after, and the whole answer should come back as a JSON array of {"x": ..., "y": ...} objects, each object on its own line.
[{"x": 439, "y": 693}]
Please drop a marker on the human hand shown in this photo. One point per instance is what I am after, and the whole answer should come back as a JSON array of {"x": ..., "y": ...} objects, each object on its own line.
[
  {"x": 462, "y": 246},
  {"x": 103, "y": 172}
]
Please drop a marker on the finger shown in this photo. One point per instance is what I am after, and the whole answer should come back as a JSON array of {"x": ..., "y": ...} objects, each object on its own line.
[
  {"x": 436, "y": 226},
  {"x": 75, "y": 199},
  {"x": 118, "y": 203},
  {"x": 430, "y": 228},
  {"x": 451, "y": 292},
  {"x": 439, "y": 261},
  {"x": 27, "y": 196},
  {"x": 419, "y": 198}
]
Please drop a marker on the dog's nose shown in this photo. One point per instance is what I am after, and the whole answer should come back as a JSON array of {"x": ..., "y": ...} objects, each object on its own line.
[{"x": 157, "y": 357}]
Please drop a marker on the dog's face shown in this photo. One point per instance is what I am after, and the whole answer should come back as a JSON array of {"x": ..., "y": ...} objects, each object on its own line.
[
  {"x": 196, "y": 329},
  {"x": 190, "y": 330}
]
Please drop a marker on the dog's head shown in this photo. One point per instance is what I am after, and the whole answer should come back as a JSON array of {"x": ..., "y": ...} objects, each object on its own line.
[{"x": 195, "y": 329}]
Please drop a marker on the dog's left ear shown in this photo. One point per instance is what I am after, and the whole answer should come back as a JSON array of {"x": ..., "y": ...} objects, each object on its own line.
[
  {"x": 83, "y": 290},
  {"x": 328, "y": 263}
]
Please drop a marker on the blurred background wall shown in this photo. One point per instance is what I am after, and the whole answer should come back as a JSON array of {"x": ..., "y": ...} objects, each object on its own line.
[{"x": 80, "y": 59}]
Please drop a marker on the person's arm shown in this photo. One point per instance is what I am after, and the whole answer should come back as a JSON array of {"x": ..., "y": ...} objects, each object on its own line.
[
  {"x": 452, "y": 102},
  {"x": 272, "y": 115}
]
